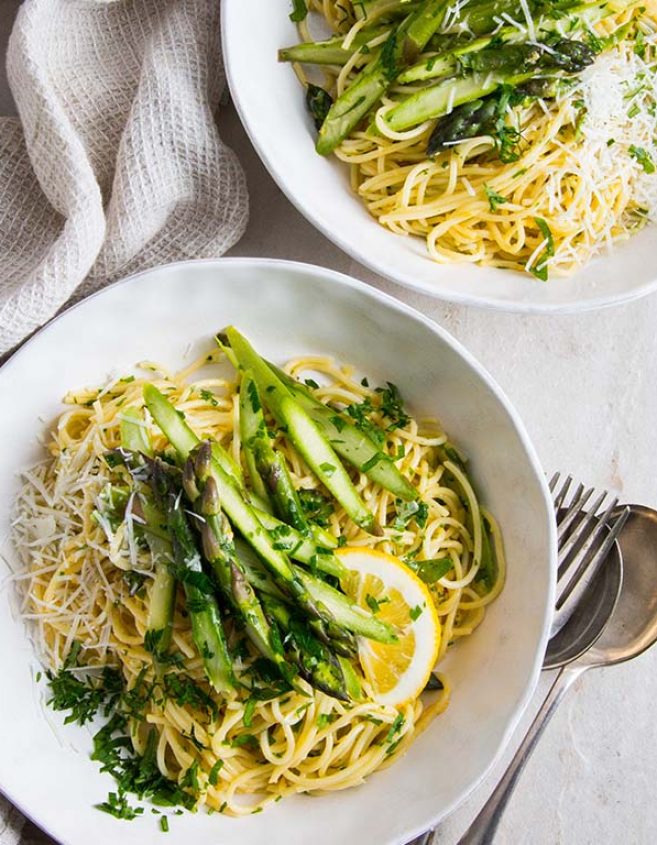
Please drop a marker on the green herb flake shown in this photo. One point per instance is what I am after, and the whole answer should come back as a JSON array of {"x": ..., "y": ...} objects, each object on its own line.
[
  {"x": 327, "y": 468},
  {"x": 325, "y": 719},
  {"x": 249, "y": 710},
  {"x": 372, "y": 603},
  {"x": 213, "y": 777},
  {"x": 396, "y": 726},
  {"x": 299, "y": 11},
  {"x": 494, "y": 199},
  {"x": 643, "y": 158},
  {"x": 376, "y": 458},
  {"x": 164, "y": 824},
  {"x": 415, "y": 612}
]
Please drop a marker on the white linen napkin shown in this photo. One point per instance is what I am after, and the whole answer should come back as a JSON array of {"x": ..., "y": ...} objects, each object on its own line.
[
  {"x": 116, "y": 164},
  {"x": 11, "y": 823}
]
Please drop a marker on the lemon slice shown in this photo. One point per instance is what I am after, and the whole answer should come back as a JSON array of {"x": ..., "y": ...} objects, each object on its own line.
[{"x": 377, "y": 581}]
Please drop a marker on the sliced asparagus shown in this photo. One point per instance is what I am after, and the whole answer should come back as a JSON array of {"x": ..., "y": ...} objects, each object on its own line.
[
  {"x": 239, "y": 511},
  {"x": 372, "y": 9},
  {"x": 331, "y": 51},
  {"x": 267, "y": 466},
  {"x": 207, "y": 630},
  {"x": 440, "y": 99},
  {"x": 345, "y": 612},
  {"x": 303, "y": 432},
  {"x": 350, "y": 442},
  {"x": 162, "y": 596},
  {"x": 219, "y": 551},
  {"x": 402, "y": 49},
  {"x": 315, "y": 661}
]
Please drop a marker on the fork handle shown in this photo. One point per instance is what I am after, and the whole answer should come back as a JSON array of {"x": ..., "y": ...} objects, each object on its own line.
[{"x": 483, "y": 828}]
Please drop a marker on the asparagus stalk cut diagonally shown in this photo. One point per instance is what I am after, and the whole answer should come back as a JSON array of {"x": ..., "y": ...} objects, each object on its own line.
[
  {"x": 402, "y": 49},
  {"x": 373, "y": 9},
  {"x": 345, "y": 612},
  {"x": 161, "y": 600},
  {"x": 445, "y": 62},
  {"x": 265, "y": 464},
  {"x": 207, "y": 629},
  {"x": 303, "y": 433},
  {"x": 316, "y": 663},
  {"x": 243, "y": 517},
  {"x": 219, "y": 551},
  {"x": 331, "y": 51},
  {"x": 352, "y": 444}
]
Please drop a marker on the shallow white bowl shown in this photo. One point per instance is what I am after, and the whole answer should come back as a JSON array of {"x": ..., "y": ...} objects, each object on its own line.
[
  {"x": 287, "y": 309},
  {"x": 270, "y": 102}
]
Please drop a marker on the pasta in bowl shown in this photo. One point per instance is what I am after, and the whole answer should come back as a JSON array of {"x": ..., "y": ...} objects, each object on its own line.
[
  {"x": 508, "y": 161},
  {"x": 202, "y": 704}
]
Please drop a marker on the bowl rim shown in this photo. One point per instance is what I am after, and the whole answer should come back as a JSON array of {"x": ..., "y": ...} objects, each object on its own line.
[
  {"x": 403, "y": 278},
  {"x": 482, "y": 373}
]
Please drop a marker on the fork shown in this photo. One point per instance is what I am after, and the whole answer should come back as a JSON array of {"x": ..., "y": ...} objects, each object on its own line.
[{"x": 584, "y": 538}]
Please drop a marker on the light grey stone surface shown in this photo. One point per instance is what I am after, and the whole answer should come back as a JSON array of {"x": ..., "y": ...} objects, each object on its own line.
[{"x": 586, "y": 387}]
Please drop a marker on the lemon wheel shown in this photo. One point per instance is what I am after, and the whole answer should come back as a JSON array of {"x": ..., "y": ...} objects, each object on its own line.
[{"x": 382, "y": 584}]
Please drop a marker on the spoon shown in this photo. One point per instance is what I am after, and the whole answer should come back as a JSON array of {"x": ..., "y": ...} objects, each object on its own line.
[{"x": 631, "y": 630}]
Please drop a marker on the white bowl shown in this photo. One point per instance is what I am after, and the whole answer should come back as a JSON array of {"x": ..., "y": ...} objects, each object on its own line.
[
  {"x": 270, "y": 102},
  {"x": 288, "y": 309}
]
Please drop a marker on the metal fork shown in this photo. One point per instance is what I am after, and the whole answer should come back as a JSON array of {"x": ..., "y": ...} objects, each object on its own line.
[{"x": 585, "y": 540}]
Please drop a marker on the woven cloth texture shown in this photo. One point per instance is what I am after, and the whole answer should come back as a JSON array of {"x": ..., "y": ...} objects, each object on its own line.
[{"x": 116, "y": 164}]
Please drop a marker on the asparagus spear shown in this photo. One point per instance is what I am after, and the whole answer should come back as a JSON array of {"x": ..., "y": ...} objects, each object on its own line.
[
  {"x": 372, "y": 9},
  {"x": 304, "y": 549},
  {"x": 349, "y": 442},
  {"x": 161, "y": 600},
  {"x": 445, "y": 63},
  {"x": 240, "y": 513},
  {"x": 316, "y": 663},
  {"x": 345, "y": 612},
  {"x": 303, "y": 433},
  {"x": 267, "y": 466},
  {"x": 219, "y": 551},
  {"x": 134, "y": 434},
  {"x": 331, "y": 51},
  {"x": 207, "y": 630},
  {"x": 402, "y": 49},
  {"x": 508, "y": 65}
]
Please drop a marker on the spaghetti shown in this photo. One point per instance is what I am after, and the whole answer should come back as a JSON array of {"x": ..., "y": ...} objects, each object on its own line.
[
  {"x": 581, "y": 175},
  {"x": 87, "y": 584}
]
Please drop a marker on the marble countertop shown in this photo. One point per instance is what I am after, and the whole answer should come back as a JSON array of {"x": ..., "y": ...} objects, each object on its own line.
[{"x": 585, "y": 386}]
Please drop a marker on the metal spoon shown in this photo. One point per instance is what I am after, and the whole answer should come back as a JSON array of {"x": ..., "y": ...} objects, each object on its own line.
[{"x": 631, "y": 630}]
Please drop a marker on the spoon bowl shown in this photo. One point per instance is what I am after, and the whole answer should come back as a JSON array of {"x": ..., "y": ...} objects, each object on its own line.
[{"x": 633, "y": 625}]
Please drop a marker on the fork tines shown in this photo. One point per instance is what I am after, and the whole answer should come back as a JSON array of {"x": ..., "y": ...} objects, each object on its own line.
[{"x": 585, "y": 536}]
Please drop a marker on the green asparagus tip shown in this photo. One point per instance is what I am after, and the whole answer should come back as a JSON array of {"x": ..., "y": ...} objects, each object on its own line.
[
  {"x": 203, "y": 461},
  {"x": 189, "y": 480},
  {"x": 210, "y": 504}
]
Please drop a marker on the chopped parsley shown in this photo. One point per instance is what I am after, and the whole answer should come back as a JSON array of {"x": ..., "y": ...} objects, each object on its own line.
[
  {"x": 317, "y": 507},
  {"x": 407, "y": 511},
  {"x": 643, "y": 158},
  {"x": 540, "y": 268},
  {"x": 213, "y": 777},
  {"x": 208, "y": 396},
  {"x": 415, "y": 612},
  {"x": 299, "y": 11},
  {"x": 494, "y": 199}
]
